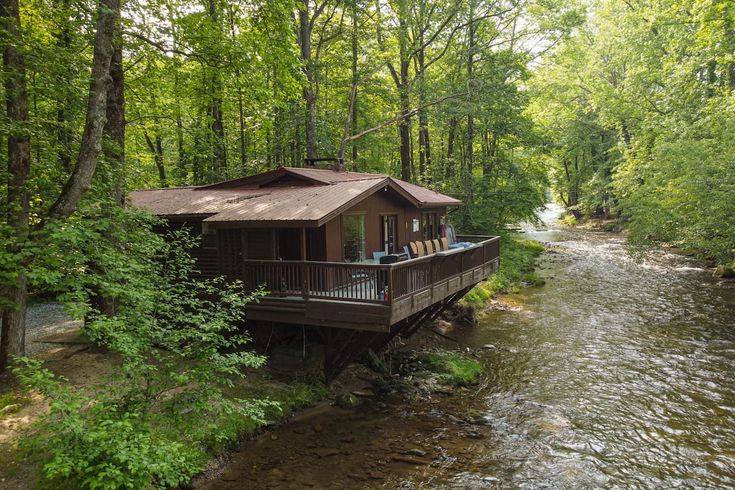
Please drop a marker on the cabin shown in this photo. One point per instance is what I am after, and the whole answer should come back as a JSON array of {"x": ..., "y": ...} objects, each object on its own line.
[{"x": 360, "y": 257}]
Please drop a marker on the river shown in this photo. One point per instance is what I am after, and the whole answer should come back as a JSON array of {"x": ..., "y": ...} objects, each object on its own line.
[{"x": 618, "y": 373}]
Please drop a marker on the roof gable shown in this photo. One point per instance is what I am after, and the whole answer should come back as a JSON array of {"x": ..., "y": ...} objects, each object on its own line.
[
  {"x": 306, "y": 175},
  {"x": 308, "y": 196}
]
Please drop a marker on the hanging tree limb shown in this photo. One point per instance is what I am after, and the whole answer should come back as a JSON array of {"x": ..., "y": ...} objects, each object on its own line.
[{"x": 394, "y": 120}]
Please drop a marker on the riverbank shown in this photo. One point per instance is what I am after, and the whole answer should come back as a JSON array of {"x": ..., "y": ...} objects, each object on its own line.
[
  {"x": 423, "y": 365},
  {"x": 86, "y": 366},
  {"x": 517, "y": 264}
]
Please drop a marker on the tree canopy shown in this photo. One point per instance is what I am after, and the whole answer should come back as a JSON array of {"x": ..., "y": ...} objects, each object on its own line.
[{"x": 636, "y": 110}]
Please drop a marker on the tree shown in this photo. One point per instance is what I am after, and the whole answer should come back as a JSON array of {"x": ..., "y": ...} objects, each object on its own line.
[{"x": 15, "y": 293}]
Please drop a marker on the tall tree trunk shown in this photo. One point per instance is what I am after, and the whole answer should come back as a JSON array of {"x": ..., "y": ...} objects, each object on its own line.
[
  {"x": 113, "y": 148},
  {"x": 492, "y": 149},
  {"x": 219, "y": 149},
  {"x": 218, "y": 129},
  {"x": 115, "y": 125},
  {"x": 91, "y": 144},
  {"x": 12, "y": 339},
  {"x": 155, "y": 146},
  {"x": 449, "y": 171},
  {"x": 240, "y": 103},
  {"x": 181, "y": 149},
  {"x": 305, "y": 28},
  {"x": 64, "y": 101},
  {"x": 181, "y": 172},
  {"x": 355, "y": 81},
  {"x": 404, "y": 126},
  {"x": 424, "y": 147},
  {"x": 470, "y": 115}
]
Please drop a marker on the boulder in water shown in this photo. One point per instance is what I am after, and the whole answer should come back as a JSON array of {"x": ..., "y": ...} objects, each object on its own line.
[{"x": 724, "y": 272}]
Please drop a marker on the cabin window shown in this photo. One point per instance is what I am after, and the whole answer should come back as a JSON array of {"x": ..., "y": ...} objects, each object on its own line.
[
  {"x": 388, "y": 233},
  {"x": 430, "y": 226},
  {"x": 353, "y": 234},
  {"x": 209, "y": 236}
]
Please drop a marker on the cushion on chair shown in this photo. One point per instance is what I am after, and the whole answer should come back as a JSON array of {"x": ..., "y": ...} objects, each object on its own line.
[
  {"x": 378, "y": 255},
  {"x": 437, "y": 247},
  {"x": 445, "y": 243},
  {"x": 429, "y": 247},
  {"x": 451, "y": 236}
]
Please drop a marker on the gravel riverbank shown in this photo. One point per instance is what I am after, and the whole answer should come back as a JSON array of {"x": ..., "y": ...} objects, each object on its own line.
[{"x": 46, "y": 319}]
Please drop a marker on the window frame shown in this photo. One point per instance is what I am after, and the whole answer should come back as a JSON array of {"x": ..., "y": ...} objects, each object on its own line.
[{"x": 362, "y": 247}]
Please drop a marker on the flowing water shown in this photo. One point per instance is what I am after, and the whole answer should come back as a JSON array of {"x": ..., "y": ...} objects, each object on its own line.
[{"x": 618, "y": 373}]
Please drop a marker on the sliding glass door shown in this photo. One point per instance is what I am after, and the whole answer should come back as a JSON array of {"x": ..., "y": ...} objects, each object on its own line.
[{"x": 353, "y": 237}]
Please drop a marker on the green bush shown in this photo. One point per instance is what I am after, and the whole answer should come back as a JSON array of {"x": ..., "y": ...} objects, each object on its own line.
[
  {"x": 181, "y": 350},
  {"x": 91, "y": 444}
]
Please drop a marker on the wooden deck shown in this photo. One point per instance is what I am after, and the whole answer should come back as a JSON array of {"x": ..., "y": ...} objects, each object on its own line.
[{"x": 370, "y": 297}]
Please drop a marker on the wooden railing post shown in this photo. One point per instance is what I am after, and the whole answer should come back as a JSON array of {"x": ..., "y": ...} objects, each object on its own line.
[
  {"x": 432, "y": 266},
  {"x": 304, "y": 280},
  {"x": 391, "y": 289}
]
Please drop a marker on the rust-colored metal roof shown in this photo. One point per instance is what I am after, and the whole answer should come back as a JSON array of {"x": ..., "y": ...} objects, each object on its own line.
[
  {"x": 309, "y": 175},
  {"x": 426, "y": 197},
  {"x": 307, "y": 204},
  {"x": 187, "y": 201},
  {"x": 332, "y": 176},
  {"x": 308, "y": 196}
]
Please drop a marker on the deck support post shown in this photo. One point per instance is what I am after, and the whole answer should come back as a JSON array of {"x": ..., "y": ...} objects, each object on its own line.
[{"x": 343, "y": 347}]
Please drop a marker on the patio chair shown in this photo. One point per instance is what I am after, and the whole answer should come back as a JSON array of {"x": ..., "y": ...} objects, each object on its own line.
[
  {"x": 452, "y": 238},
  {"x": 437, "y": 246},
  {"x": 429, "y": 247},
  {"x": 378, "y": 255}
]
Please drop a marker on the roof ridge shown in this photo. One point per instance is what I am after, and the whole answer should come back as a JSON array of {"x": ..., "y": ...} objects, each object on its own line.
[{"x": 166, "y": 188}]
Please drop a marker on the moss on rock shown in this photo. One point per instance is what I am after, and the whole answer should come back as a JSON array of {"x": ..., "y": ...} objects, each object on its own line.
[{"x": 454, "y": 368}]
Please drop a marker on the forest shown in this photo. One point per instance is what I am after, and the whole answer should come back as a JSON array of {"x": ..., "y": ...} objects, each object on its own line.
[{"x": 619, "y": 110}]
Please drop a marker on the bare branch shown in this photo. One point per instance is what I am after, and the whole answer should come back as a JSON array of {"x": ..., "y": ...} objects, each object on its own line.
[{"x": 403, "y": 116}]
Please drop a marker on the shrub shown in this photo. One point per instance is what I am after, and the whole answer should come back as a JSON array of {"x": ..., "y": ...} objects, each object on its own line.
[{"x": 180, "y": 349}]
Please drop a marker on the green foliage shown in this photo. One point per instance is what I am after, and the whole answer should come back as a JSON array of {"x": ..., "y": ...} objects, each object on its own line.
[
  {"x": 651, "y": 87},
  {"x": 92, "y": 443},
  {"x": 454, "y": 368},
  {"x": 180, "y": 348},
  {"x": 516, "y": 264}
]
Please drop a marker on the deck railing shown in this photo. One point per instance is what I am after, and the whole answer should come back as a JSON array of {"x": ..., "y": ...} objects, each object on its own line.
[{"x": 372, "y": 283}]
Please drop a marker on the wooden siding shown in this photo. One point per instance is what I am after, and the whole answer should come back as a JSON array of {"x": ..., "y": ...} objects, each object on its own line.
[
  {"x": 379, "y": 204},
  {"x": 205, "y": 253}
]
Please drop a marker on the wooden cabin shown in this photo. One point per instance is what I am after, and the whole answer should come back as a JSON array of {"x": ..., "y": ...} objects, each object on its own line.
[{"x": 330, "y": 247}]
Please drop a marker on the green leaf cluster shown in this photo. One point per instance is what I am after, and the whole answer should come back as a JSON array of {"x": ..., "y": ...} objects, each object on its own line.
[{"x": 180, "y": 347}]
